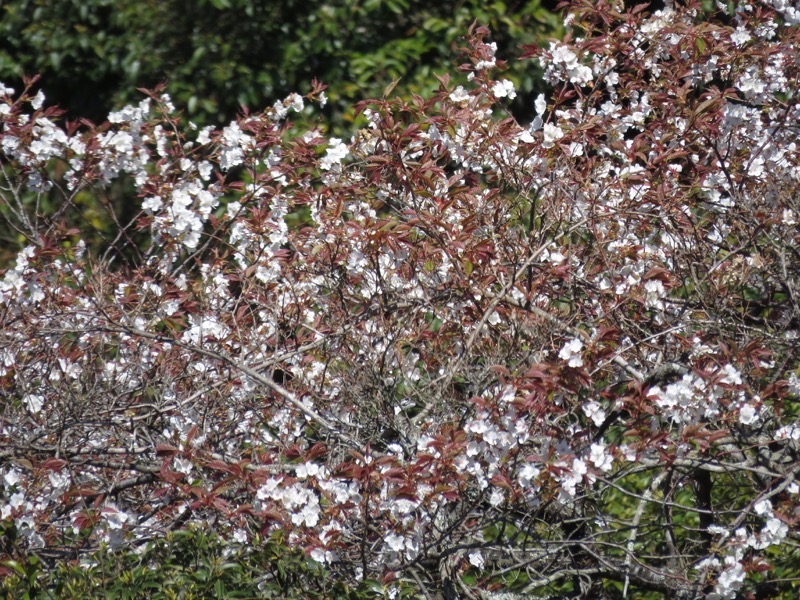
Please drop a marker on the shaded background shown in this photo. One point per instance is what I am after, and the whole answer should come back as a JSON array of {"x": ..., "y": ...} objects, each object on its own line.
[{"x": 216, "y": 55}]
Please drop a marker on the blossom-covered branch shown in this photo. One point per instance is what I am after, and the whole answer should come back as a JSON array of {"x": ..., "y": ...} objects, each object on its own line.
[{"x": 455, "y": 353}]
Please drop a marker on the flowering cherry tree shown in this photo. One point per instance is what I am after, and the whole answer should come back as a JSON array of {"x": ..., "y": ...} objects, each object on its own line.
[{"x": 458, "y": 355}]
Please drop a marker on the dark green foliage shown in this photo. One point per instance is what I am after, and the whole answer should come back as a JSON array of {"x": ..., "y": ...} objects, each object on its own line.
[
  {"x": 186, "y": 564},
  {"x": 216, "y": 55}
]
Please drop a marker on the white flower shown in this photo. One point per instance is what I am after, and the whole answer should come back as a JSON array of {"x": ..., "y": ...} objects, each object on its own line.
[
  {"x": 763, "y": 507},
  {"x": 37, "y": 100},
  {"x": 183, "y": 465},
  {"x": 12, "y": 477},
  {"x": 730, "y": 580},
  {"x": 203, "y": 137},
  {"x": 204, "y": 328},
  {"x": 787, "y": 432},
  {"x": 269, "y": 489},
  {"x": 240, "y": 536},
  {"x": 296, "y": 497},
  {"x": 308, "y": 469},
  {"x": 575, "y": 149},
  {"x": 504, "y": 89},
  {"x": 166, "y": 103},
  {"x": 204, "y": 168},
  {"x": 152, "y": 204},
  {"x": 130, "y": 114},
  {"x": 570, "y": 479},
  {"x": 476, "y": 559},
  {"x": 525, "y": 136},
  {"x": 740, "y": 37},
  {"x": 564, "y": 55},
  {"x": 496, "y": 498},
  {"x": 654, "y": 292},
  {"x": 551, "y": 134},
  {"x": 540, "y": 104},
  {"x": 687, "y": 400},
  {"x": 709, "y": 562},
  {"x": 395, "y": 542},
  {"x": 294, "y": 101},
  {"x": 600, "y": 458},
  {"x": 748, "y": 415},
  {"x": 580, "y": 74},
  {"x": 773, "y": 533},
  {"x": 334, "y": 155},
  {"x": 459, "y": 95},
  {"x": 566, "y": 59},
  {"x": 571, "y": 352},
  {"x": 34, "y": 402},
  {"x": 234, "y": 143},
  {"x": 321, "y": 555},
  {"x": 732, "y": 375},
  {"x": 527, "y": 474},
  {"x": 595, "y": 412}
]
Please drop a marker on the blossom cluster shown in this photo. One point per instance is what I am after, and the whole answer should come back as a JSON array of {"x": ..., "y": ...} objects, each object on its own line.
[{"x": 454, "y": 339}]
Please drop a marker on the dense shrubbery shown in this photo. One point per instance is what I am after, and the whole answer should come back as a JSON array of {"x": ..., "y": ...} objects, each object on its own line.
[
  {"x": 189, "y": 564},
  {"x": 216, "y": 55},
  {"x": 453, "y": 356}
]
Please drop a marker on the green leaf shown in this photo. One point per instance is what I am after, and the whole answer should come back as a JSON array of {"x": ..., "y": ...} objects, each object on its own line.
[{"x": 701, "y": 45}]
